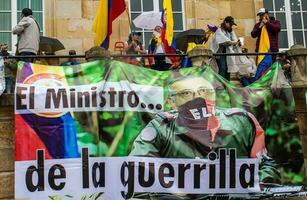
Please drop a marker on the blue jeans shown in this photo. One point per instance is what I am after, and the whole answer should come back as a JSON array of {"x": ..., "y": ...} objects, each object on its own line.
[
  {"x": 9, "y": 82},
  {"x": 222, "y": 64}
]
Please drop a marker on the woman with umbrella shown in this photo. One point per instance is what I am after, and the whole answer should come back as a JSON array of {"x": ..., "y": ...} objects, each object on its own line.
[
  {"x": 188, "y": 40},
  {"x": 152, "y": 20}
]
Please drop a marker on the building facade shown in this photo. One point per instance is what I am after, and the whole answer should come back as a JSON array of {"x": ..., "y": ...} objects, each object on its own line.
[{"x": 71, "y": 20}]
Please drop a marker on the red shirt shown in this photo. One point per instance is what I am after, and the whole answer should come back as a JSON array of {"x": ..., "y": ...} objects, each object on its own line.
[{"x": 273, "y": 26}]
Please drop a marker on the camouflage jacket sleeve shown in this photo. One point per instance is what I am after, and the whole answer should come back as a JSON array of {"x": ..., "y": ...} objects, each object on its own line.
[
  {"x": 149, "y": 141},
  {"x": 11, "y": 65},
  {"x": 268, "y": 172}
]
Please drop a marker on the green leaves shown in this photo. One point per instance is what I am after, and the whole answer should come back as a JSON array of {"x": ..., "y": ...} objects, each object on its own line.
[{"x": 94, "y": 196}]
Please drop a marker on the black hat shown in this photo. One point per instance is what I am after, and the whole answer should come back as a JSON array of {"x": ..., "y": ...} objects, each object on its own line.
[
  {"x": 230, "y": 19},
  {"x": 136, "y": 33}
]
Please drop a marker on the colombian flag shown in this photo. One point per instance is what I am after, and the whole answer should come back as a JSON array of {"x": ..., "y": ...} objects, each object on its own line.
[
  {"x": 107, "y": 12},
  {"x": 264, "y": 62},
  {"x": 167, "y": 32}
]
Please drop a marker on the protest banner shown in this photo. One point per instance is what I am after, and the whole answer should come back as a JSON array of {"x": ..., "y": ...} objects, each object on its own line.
[{"x": 110, "y": 130}]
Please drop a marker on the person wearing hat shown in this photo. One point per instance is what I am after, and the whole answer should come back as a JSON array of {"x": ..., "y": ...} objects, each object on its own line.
[
  {"x": 225, "y": 40},
  {"x": 273, "y": 26},
  {"x": 134, "y": 46},
  {"x": 10, "y": 68}
]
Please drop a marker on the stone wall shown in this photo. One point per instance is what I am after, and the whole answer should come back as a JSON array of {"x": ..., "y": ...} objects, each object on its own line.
[
  {"x": 71, "y": 20},
  {"x": 298, "y": 57},
  {"x": 7, "y": 147}
]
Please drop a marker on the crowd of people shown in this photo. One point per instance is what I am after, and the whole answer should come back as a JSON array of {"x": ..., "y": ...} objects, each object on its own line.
[{"x": 220, "y": 39}]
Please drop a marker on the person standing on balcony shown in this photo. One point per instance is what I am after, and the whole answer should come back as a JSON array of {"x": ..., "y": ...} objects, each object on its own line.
[
  {"x": 135, "y": 46},
  {"x": 273, "y": 27},
  {"x": 225, "y": 40},
  {"x": 10, "y": 68},
  {"x": 266, "y": 31},
  {"x": 27, "y": 31},
  {"x": 156, "y": 46}
]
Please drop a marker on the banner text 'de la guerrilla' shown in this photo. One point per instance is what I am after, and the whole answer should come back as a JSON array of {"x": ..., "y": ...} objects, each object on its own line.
[
  {"x": 124, "y": 176},
  {"x": 106, "y": 96}
]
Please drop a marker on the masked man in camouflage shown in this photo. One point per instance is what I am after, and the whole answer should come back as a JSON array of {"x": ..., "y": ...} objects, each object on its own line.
[{"x": 196, "y": 127}]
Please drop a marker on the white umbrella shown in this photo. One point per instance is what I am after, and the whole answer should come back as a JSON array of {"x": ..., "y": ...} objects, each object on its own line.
[{"x": 148, "y": 20}]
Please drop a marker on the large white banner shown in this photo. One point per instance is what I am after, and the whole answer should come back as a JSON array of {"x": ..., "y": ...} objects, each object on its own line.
[{"x": 125, "y": 177}]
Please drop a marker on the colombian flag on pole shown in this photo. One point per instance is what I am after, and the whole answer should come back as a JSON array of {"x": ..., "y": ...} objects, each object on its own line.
[
  {"x": 107, "y": 12},
  {"x": 168, "y": 21},
  {"x": 167, "y": 33}
]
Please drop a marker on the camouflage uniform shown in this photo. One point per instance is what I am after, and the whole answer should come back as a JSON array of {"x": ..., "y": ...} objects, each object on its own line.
[{"x": 167, "y": 139}]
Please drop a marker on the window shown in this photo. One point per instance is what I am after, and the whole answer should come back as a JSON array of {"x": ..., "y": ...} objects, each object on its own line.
[
  {"x": 10, "y": 11},
  {"x": 138, "y": 6},
  {"x": 293, "y": 17},
  {"x": 6, "y": 22}
]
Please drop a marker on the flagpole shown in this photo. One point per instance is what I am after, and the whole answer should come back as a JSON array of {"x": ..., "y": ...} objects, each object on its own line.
[{"x": 130, "y": 24}]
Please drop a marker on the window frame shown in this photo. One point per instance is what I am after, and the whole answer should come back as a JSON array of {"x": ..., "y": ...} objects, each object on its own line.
[
  {"x": 156, "y": 8},
  {"x": 289, "y": 27},
  {"x": 14, "y": 17},
  {"x": 10, "y": 14}
]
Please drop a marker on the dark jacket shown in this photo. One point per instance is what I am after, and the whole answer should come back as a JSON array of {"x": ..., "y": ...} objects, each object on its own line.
[
  {"x": 273, "y": 27},
  {"x": 10, "y": 66}
]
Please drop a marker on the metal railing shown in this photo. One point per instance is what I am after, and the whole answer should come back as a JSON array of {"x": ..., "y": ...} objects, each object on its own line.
[{"x": 140, "y": 55}]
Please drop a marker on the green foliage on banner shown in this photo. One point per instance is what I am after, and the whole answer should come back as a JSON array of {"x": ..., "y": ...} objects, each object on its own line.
[
  {"x": 95, "y": 196},
  {"x": 273, "y": 107}
]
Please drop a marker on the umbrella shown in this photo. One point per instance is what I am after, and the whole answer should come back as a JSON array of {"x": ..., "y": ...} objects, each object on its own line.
[
  {"x": 192, "y": 35},
  {"x": 50, "y": 45},
  {"x": 148, "y": 20}
]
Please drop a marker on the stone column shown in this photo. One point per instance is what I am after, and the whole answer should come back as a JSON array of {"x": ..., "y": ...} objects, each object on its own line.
[
  {"x": 298, "y": 57},
  {"x": 201, "y": 56},
  {"x": 97, "y": 53},
  {"x": 7, "y": 146}
]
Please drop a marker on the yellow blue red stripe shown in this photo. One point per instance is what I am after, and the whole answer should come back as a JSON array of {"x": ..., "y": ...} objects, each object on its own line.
[
  {"x": 107, "y": 12},
  {"x": 264, "y": 62}
]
